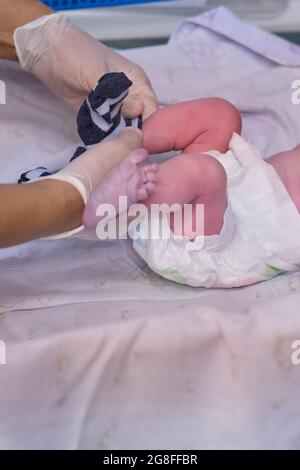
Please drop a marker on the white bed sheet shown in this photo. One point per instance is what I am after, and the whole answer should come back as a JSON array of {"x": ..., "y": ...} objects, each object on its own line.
[{"x": 104, "y": 354}]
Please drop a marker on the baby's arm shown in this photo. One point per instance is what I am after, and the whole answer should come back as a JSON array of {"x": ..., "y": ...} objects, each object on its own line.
[{"x": 192, "y": 126}]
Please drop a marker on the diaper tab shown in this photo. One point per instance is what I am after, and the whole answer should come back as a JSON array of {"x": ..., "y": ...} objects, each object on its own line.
[
  {"x": 229, "y": 162},
  {"x": 243, "y": 151}
]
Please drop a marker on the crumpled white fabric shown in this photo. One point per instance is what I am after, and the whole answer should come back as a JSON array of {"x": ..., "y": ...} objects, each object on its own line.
[{"x": 101, "y": 352}]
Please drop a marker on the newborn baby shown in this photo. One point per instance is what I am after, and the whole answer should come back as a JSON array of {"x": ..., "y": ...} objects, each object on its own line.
[{"x": 251, "y": 206}]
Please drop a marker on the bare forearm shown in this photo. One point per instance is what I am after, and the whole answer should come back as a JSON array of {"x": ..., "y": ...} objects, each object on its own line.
[
  {"x": 37, "y": 210},
  {"x": 15, "y": 13}
]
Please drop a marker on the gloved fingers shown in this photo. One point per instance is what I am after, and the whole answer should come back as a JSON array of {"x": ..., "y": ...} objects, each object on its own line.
[
  {"x": 110, "y": 153},
  {"x": 130, "y": 138},
  {"x": 137, "y": 104},
  {"x": 132, "y": 107},
  {"x": 141, "y": 98},
  {"x": 102, "y": 157},
  {"x": 150, "y": 105},
  {"x": 142, "y": 88}
]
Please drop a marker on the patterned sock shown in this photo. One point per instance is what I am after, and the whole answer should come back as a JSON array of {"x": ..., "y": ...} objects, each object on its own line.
[{"x": 99, "y": 118}]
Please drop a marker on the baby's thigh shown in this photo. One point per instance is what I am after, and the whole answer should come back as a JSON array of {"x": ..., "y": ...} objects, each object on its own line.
[
  {"x": 193, "y": 126},
  {"x": 286, "y": 163},
  {"x": 287, "y": 154}
]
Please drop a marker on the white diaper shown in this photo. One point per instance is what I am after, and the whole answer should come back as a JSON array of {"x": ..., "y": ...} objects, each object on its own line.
[{"x": 260, "y": 236}]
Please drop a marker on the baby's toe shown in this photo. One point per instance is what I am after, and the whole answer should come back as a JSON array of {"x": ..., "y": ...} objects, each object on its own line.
[
  {"x": 153, "y": 167},
  {"x": 150, "y": 186},
  {"x": 150, "y": 173},
  {"x": 150, "y": 177},
  {"x": 142, "y": 194},
  {"x": 138, "y": 156}
]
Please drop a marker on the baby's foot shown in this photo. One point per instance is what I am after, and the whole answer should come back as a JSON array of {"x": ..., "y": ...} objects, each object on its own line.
[{"x": 128, "y": 179}]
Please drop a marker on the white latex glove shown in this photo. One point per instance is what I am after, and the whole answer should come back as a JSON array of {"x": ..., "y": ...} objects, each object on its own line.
[
  {"x": 70, "y": 62},
  {"x": 87, "y": 171}
]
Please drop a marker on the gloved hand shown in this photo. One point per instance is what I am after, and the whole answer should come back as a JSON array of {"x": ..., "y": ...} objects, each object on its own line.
[
  {"x": 89, "y": 169},
  {"x": 69, "y": 62}
]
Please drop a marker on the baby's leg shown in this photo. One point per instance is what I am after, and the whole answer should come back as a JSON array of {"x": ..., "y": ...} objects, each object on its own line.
[
  {"x": 193, "y": 126},
  {"x": 196, "y": 179}
]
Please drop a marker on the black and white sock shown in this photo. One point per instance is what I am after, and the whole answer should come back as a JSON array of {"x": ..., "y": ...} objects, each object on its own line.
[{"x": 99, "y": 118}]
